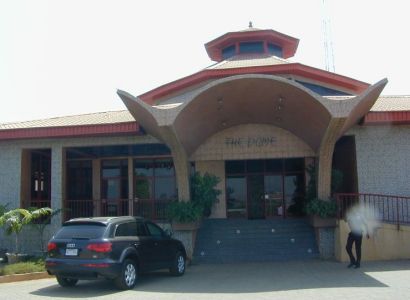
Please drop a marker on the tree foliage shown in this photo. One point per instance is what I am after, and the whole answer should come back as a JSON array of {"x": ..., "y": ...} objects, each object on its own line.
[{"x": 13, "y": 221}]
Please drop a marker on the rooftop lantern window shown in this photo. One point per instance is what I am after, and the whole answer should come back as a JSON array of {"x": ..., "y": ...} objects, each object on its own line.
[{"x": 252, "y": 41}]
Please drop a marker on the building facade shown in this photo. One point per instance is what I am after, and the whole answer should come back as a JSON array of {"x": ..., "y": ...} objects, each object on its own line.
[{"x": 254, "y": 118}]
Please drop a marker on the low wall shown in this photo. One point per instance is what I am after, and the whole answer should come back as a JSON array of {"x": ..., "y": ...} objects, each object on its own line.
[{"x": 385, "y": 243}]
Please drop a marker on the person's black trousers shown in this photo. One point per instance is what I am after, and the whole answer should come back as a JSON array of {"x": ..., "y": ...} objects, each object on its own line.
[{"x": 357, "y": 239}]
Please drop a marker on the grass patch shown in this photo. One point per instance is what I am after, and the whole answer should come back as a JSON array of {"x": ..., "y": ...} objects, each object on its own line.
[{"x": 31, "y": 266}]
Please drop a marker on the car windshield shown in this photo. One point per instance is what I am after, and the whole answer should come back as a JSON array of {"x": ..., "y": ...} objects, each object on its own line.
[{"x": 80, "y": 232}]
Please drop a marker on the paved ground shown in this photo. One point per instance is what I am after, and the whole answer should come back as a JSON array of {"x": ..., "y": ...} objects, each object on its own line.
[{"x": 295, "y": 280}]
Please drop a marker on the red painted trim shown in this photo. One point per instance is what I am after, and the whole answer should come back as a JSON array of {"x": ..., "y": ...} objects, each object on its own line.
[
  {"x": 356, "y": 86},
  {"x": 387, "y": 117},
  {"x": 71, "y": 131}
]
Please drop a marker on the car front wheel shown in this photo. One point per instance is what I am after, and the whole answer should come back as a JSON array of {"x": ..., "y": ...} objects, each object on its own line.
[
  {"x": 128, "y": 277},
  {"x": 66, "y": 282},
  {"x": 178, "y": 265}
]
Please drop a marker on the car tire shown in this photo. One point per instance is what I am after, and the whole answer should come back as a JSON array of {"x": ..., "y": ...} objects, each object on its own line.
[
  {"x": 178, "y": 265},
  {"x": 128, "y": 277},
  {"x": 66, "y": 282}
]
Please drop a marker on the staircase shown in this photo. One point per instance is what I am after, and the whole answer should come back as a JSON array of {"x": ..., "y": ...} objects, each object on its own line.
[{"x": 231, "y": 241}]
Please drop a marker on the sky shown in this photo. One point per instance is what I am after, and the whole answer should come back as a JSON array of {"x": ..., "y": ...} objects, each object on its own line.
[{"x": 61, "y": 58}]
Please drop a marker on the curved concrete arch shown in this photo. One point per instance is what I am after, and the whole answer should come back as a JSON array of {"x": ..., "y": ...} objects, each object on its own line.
[
  {"x": 361, "y": 105},
  {"x": 141, "y": 112},
  {"x": 252, "y": 98},
  {"x": 324, "y": 101}
]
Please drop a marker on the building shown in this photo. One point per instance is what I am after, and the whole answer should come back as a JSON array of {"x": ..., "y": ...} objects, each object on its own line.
[{"x": 254, "y": 118}]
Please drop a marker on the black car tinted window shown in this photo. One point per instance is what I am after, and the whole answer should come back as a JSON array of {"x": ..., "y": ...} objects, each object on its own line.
[
  {"x": 81, "y": 232},
  {"x": 126, "y": 229},
  {"x": 141, "y": 231},
  {"x": 154, "y": 230}
]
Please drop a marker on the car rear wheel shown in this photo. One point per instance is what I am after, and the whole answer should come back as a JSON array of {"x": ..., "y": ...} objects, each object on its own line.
[
  {"x": 128, "y": 277},
  {"x": 178, "y": 265},
  {"x": 66, "y": 282}
]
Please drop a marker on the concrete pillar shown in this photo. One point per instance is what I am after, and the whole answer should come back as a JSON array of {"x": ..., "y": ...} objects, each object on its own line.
[
  {"x": 57, "y": 182},
  {"x": 325, "y": 156},
  {"x": 96, "y": 178},
  {"x": 181, "y": 162}
]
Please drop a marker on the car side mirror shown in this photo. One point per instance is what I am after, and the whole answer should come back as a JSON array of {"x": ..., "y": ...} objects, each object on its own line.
[{"x": 168, "y": 232}]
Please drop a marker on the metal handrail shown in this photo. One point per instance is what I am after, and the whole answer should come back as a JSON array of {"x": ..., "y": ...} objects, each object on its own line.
[{"x": 391, "y": 209}]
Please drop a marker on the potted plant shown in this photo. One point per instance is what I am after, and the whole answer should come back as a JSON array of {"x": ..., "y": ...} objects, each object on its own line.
[
  {"x": 321, "y": 213},
  {"x": 204, "y": 192},
  {"x": 184, "y": 215},
  {"x": 13, "y": 221}
]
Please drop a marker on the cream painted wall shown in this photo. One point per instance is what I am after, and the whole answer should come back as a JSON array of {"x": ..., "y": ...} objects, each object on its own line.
[
  {"x": 252, "y": 141},
  {"x": 216, "y": 168},
  {"x": 385, "y": 243}
]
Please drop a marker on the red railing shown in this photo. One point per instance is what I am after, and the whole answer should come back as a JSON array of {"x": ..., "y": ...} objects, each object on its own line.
[
  {"x": 384, "y": 208},
  {"x": 154, "y": 210}
]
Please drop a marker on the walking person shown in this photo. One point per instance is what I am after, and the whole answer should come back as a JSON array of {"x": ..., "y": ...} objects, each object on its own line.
[{"x": 356, "y": 223}]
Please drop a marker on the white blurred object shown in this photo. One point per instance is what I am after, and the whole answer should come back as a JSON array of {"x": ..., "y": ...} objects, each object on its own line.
[{"x": 362, "y": 220}]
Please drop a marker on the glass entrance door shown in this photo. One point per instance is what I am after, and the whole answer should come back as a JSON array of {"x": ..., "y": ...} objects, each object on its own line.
[
  {"x": 236, "y": 196},
  {"x": 257, "y": 189},
  {"x": 256, "y": 197},
  {"x": 274, "y": 195}
]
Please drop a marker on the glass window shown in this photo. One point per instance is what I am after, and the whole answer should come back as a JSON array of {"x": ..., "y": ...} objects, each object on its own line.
[
  {"x": 126, "y": 229},
  {"x": 274, "y": 165},
  {"x": 236, "y": 195},
  {"x": 111, "y": 189},
  {"x": 40, "y": 178},
  {"x": 111, "y": 168},
  {"x": 294, "y": 164},
  {"x": 255, "y": 166},
  {"x": 275, "y": 50},
  {"x": 235, "y": 167},
  {"x": 143, "y": 167},
  {"x": 294, "y": 190},
  {"x": 79, "y": 180},
  {"x": 114, "y": 179},
  {"x": 154, "y": 230},
  {"x": 164, "y": 168},
  {"x": 141, "y": 230},
  {"x": 143, "y": 188},
  {"x": 165, "y": 188},
  {"x": 81, "y": 231},
  {"x": 251, "y": 47},
  {"x": 155, "y": 186},
  {"x": 228, "y": 52}
]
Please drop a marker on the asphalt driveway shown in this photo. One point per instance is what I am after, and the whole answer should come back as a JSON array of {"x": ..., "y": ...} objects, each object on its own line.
[{"x": 293, "y": 280}]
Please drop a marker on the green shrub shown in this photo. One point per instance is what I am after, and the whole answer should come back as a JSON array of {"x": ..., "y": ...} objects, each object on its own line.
[
  {"x": 23, "y": 267},
  {"x": 321, "y": 208},
  {"x": 204, "y": 192},
  {"x": 184, "y": 212}
]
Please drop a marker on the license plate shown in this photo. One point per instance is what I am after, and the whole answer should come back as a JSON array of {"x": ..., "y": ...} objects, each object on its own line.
[{"x": 71, "y": 252}]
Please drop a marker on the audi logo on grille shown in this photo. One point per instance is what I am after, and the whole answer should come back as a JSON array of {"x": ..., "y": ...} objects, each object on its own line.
[{"x": 70, "y": 245}]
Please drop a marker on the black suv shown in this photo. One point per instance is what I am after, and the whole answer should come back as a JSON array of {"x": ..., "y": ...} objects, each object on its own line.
[{"x": 117, "y": 248}]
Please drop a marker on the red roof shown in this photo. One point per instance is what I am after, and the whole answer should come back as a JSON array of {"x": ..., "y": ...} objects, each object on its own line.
[{"x": 356, "y": 86}]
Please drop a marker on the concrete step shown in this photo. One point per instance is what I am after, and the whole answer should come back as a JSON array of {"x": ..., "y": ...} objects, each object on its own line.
[{"x": 228, "y": 241}]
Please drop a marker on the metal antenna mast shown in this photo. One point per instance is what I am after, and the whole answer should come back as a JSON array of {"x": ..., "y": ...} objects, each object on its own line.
[{"x": 327, "y": 39}]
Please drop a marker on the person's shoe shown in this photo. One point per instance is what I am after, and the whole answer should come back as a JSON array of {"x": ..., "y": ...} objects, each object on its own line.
[
  {"x": 351, "y": 265},
  {"x": 357, "y": 266}
]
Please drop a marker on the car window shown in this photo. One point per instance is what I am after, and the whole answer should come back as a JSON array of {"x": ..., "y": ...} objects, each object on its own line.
[
  {"x": 126, "y": 229},
  {"x": 81, "y": 232},
  {"x": 154, "y": 230},
  {"x": 141, "y": 231}
]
